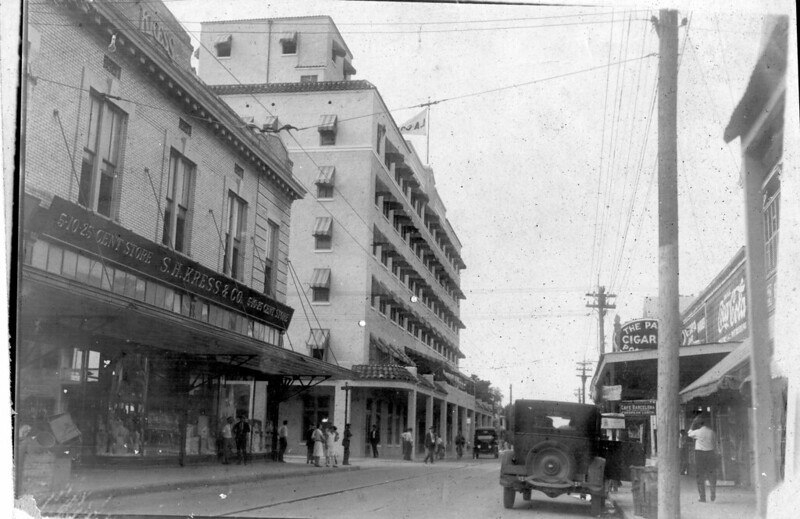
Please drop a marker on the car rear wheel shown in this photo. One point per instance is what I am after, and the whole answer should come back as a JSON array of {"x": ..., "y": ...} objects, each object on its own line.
[
  {"x": 509, "y": 494},
  {"x": 551, "y": 462}
]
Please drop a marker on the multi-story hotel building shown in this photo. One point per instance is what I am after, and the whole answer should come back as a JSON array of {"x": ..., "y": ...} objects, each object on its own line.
[{"x": 375, "y": 264}]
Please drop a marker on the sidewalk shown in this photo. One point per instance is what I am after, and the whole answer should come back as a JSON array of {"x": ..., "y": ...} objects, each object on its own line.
[
  {"x": 731, "y": 502},
  {"x": 98, "y": 483}
]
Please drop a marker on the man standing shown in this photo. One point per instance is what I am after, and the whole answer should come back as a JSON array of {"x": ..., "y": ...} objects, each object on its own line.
[
  {"x": 430, "y": 445},
  {"x": 227, "y": 440},
  {"x": 705, "y": 457},
  {"x": 283, "y": 440},
  {"x": 374, "y": 439},
  {"x": 460, "y": 440},
  {"x": 241, "y": 431},
  {"x": 346, "y": 444},
  {"x": 407, "y": 439}
]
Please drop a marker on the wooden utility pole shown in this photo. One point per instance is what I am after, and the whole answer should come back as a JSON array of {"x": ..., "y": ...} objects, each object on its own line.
[
  {"x": 669, "y": 326},
  {"x": 602, "y": 304},
  {"x": 582, "y": 373}
]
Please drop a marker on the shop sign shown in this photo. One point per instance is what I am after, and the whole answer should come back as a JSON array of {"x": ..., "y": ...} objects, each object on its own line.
[
  {"x": 102, "y": 238},
  {"x": 612, "y": 393},
  {"x": 612, "y": 421},
  {"x": 637, "y": 407},
  {"x": 694, "y": 328},
  {"x": 727, "y": 309},
  {"x": 639, "y": 334}
]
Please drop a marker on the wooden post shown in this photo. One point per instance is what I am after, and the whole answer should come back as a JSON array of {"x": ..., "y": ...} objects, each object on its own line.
[{"x": 668, "y": 308}]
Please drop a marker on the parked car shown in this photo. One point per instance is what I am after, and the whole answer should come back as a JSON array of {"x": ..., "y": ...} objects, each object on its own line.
[
  {"x": 485, "y": 442},
  {"x": 558, "y": 449}
]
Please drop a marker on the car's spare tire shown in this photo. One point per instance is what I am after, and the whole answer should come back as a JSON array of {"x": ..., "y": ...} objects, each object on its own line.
[{"x": 550, "y": 462}]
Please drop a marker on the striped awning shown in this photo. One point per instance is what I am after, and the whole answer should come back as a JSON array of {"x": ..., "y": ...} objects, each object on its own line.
[
  {"x": 270, "y": 124},
  {"x": 326, "y": 174},
  {"x": 321, "y": 278},
  {"x": 327, "y": 123},
  {"x": 393, "y": 351},
  {"x": 318, "y": 338},
  {"x": 223, "y": 39},
  {"x": 288, "y": 36},
  {"x": 323, "y": 226}
]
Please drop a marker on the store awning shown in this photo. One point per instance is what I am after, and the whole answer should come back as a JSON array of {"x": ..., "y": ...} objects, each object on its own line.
[
  {"x": 719, "y": 377},
  {"x": 327, "y": 123},
  {"x": 326, "y": 174},
  {"x": 321, "y": 278},
  {"x": 75, "y": 313},
  {"x": 323, "y": 226}
]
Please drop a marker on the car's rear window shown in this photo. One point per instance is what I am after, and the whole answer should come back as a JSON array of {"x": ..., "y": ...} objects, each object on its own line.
[{"x": 555, "y": 419}]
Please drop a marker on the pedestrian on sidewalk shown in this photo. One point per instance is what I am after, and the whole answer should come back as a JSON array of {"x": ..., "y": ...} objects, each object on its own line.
[
  {"x": 331, "y": 457},
  {"x": 227, "y": 441},
  {"x": 374, "y": 439},
  {"x": 439, "y": 447},
  {"x": 241, "y": 432},
  {"x": 460, "y": 440},
  {"x": 346, "y": 444},
  {"x": 310, "y": 444},
  {"x": 283, "y": 440},
  {"x": 407, "y": 443},
  {"x": 319, "y": 441},
  {"x": 430, "y": 445},
  {"x": 705, "y": 457},
  {"x": 685, "y": 443}
]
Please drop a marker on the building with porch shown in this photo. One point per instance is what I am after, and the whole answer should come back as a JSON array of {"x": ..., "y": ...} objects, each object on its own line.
[
  {"x": 375, "y": 263},
  {"x": 153, "y": 250}
]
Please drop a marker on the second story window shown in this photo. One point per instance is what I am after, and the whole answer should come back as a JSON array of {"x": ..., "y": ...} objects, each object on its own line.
[
  {"x": 311, "y": 78},
  {"x": 323, "y": 233},
  {"x": 234, "y": 234},
  {"x": 321, "y": 286},
  {"x": 270, "y": 258},
  {"x": 101, "y": 157},
  {"x": 177, "y": 213}
]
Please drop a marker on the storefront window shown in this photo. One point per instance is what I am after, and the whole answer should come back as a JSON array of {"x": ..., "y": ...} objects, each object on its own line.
[{"x": 121, "y": 432}]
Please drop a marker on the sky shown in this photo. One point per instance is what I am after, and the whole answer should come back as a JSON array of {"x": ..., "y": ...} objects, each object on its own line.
[{"x": 543, "y": 147}]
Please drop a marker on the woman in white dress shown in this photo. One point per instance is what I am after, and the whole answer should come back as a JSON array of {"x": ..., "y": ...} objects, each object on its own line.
[
  {"x": 319, "y": 439},
  {"x": 330, "y": 452}
]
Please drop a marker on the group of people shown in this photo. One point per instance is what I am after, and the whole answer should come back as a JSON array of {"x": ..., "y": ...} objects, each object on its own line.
[
  {"x": 235, "y": 436},
  {"x": 321, "y": 443}
]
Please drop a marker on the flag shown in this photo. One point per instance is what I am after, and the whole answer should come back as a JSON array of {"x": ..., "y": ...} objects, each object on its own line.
[{"x": 417, "y": 125}]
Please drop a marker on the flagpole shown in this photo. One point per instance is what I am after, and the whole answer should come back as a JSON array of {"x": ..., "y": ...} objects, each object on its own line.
[{"x": 428, "y": 144}]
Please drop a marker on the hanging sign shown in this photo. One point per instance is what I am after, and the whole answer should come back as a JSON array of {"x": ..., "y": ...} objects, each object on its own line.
[
  {"x": 637, "y": 407},
  {"x": 639, "y": 334},
  {"x": 612, "y": 393}
]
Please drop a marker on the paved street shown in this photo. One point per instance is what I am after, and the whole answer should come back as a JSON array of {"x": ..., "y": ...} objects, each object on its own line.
[{"x": 380, "y": 489}]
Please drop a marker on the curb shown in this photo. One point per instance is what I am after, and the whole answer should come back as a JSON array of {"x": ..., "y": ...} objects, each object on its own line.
[{"x": 68, "y": 495}]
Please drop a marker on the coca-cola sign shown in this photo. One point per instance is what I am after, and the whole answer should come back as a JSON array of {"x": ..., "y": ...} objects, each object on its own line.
[{"x": 727, "y": 309}]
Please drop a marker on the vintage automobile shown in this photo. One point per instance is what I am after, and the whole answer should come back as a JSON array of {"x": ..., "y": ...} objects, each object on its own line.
[
  {"x": 558, "y": 449},
  {"x": 485, "y": 442}
]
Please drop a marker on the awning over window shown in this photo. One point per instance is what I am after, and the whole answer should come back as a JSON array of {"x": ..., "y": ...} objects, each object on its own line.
[
  {"x": 318, "y": 338},
  {"x": 270, "y": 124},
  {"x": 392, "y": 351},
  {"x": 338, "y": 49},
  {"x": 326, "y": 174},
  {"x": 721, "y": 376},
  {"x": 321, "y": 278},
  {"x": 289, "y": 37},
  {"x": 327, "y": 123},
  {"x": 323, "y": 226},
  {"x": 223, "y": 39}
]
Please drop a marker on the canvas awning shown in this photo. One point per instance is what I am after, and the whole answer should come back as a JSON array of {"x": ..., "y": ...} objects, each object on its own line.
[
  {"x": 326, "y": 174},
  {"x": 321, "y": 278},
  {"x": 318, "y": 338},
  {"x": 288, "y": 36},
  {"x": 323, "y": 226},
  {"x": 327, "y": 123},
  {"x": 223, "y": 39},
  {"x": 721, "y": 376}
]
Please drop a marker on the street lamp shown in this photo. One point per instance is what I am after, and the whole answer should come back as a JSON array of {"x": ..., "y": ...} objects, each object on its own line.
[{"x": 346, "y": 390}]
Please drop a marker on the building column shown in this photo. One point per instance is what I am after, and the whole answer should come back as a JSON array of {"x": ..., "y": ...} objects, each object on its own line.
[
  {"x": 411, "y": 419},
  {"x": 428, "y": 412},
  {"x": 341, "y": 401},
  {"x": 453, "y": 414},
  {"x": 443, "y": 420}
]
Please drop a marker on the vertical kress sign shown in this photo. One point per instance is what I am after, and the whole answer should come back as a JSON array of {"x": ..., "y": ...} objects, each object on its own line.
[{"x": 639, "y": 334}]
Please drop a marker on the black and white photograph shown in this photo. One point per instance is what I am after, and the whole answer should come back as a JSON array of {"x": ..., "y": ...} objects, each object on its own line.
[{"x": 401, "y": 259}]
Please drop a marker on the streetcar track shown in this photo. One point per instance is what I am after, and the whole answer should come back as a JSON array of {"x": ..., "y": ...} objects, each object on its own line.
[{"x": 333, "y": 492}]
